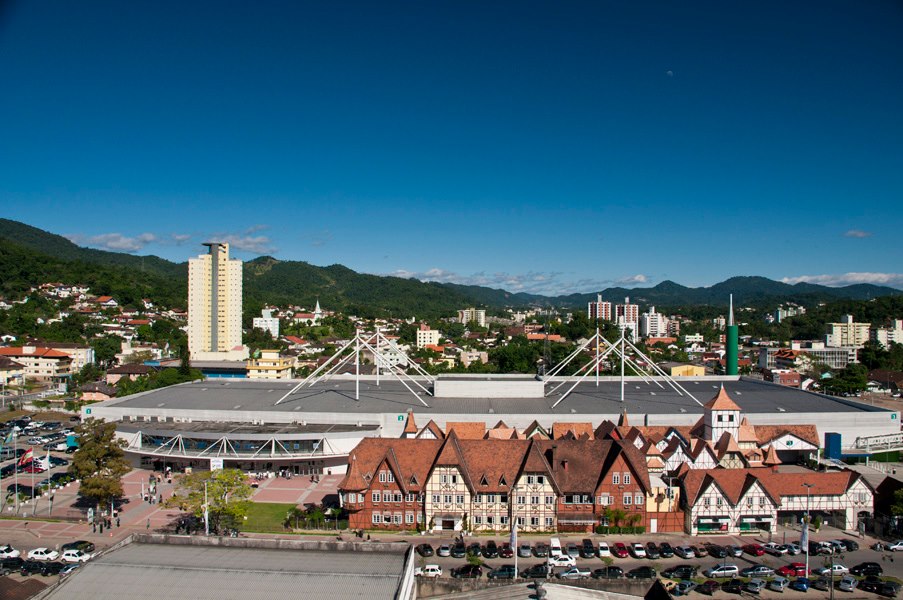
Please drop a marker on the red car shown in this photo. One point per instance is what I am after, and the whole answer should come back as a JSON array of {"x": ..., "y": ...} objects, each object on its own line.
[
  {"x": 754, "y": 549},
  {"x": 620, "y": 550},
  {"x": 505, "y": 551},
  {"x": 33, "y": 468},
  {"x": 792, "y": 570}
]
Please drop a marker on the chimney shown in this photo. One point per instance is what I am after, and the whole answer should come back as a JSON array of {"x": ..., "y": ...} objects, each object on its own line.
[{"x": 564, "y": 464}]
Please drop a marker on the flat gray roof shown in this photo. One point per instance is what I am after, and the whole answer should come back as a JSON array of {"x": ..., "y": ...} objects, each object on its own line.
[
  {"x": 237, "y": 429},
  {"x": 338, "y": 396},
  {"x": 149, "y": 571}
]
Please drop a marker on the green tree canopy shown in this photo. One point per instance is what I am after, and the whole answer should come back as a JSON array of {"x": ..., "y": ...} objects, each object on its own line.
[
  {"x": 227, "y": 495},
  {"x": 100, "y": 461}
]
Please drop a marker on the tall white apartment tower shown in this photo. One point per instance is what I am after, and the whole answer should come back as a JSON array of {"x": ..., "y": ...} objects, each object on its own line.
[{"x": 214, "y": 305}]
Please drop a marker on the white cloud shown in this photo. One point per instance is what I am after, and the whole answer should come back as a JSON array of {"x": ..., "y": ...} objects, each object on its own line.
[
  {"x": 548, "y": 283},
  {"x": 115, "y": 241},
  {"x": 857, "y": 233},
  {"x": 255, "y": 244},
  {"x": 179, "y": 238},
  {"x": 841, "y": 279},
  {"x": 319, "y": 238}
]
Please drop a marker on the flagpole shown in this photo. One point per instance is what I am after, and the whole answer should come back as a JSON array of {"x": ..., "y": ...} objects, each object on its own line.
[{"x": 16, "y": 470}]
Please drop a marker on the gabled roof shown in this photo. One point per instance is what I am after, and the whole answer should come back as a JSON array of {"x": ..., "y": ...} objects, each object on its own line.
[
  {"x": 467, "y": 430},
  {"x": 732, "y": 483},
  {"x": 535, "y": 430},
  {"x": 722, "y": 401},
  {"x": 771, "y": 456},
  {"x": 575, "y": 465},
  {"x": 409, "y": 459},
  {"x": 726, "y": 445},
  {"x": 768, "y": 433},
  {"x": 746, "y": 433},
  {"x": 622, "y": 419},
  {"x": 434, "y": 429},
  {"x": 561, "y": 429},
  {"x": 353, "y": 478},
  {"x": 607, "y": 429},
  {"x": 498, "y": 461}
]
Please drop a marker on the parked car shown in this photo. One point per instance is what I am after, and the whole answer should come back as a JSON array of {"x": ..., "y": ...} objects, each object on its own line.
[
  {"x": 683, "y": 588},
  {"x": 871, "y": 583},
  {"x": 735, "y": 551},
  {"x": 665, "y": 550},
  {"x": 778, "y": 584},
  {"x": 541, "y": 550},
  {"x": 43, "y": 554},
  {"x": 732, "y": 586},
  {"x": 820, "y": 583},
  {"x": 774, "y": 549},
  {"x": 574, "y": 573},
  {"x": 562, "y": 560},
  {"x": 800, "y": 584},
  {"x": 755, "y": 585},
  {"x": 13, "y": 563},
  {"x": 794, "y": 569},
  {"x": 503, "y": 572},
  {"x": 443, "y": 550},
  {"x": 52, "y": 568},
  {"x": 604, "y": 550},
  {"x": 68, "y": 569},
  {"x": 8, "y": 551},
  {"x": 506, "y": 551},
  {"x": 851, "y": 545},
  {"x": 652, "y": 552},
  {"x": 708, "y": 587},
  {"x": 637, "y": 550},
  {"x": 428, "y": 571},
  {"x": 685, "y": 552},
  {"x": 31, "y": 567},
  {"x": 699, "y": 550},
  {"x": 620, "y": 550},
  {"x": 847, "y": 583},
  {"x": 820, "y": 548},
  {"x": 538, "y": 571},
  {"x": 757, "y": 571},
  {"x": 867, "y": 568},
  {"x": 572, "y": 550},
  {"x": 422, "y": 549},
  {"x": 75, "y": 556},
  {"x": 525, "y": 550},
  {"x": 889, "y": 589},
  {"x": 716, "y": 551},
  {"x": 587, "y": 549},
  {"x": 467, "y": 572},
  {"x": 474, "y": 549},
  {"x": 608, "y": 573},
  {"x": 722, "y": 570},
  {"x": 754, "y": 549},
  {"x": 641, "y": 573},
  {"x": 832, "y": 571},
  {"x": 793, "y": 549},
  {"x": 680, "y": 572},
  {"x": 459, "y": 550},
  {"x": 490, "y": 549}
]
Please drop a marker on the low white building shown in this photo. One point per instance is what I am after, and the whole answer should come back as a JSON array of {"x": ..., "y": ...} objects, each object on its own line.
[{"x": 267, "y": 322}]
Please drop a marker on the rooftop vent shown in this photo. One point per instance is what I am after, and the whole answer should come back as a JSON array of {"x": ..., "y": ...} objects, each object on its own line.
[
  {"x": 573, "y": 411},
  {"x": 203, "y": 389},
  {"x": 782, "y": 409},
  {"x": 236, "y": 407},
  {"x": 297, "y": 408},
  {"x": 683, "y": 410},
  {"x": 651, "y": 393},
  {"x": 161, "y": 405},
  {"x": 491, "y": 410}
]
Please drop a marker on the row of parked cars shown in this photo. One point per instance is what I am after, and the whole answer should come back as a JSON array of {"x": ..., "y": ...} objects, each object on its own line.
[{"x": 46, "y": 561}]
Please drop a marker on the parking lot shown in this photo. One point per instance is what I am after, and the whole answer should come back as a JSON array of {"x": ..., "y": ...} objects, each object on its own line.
[{"x": 891, "y": 569}]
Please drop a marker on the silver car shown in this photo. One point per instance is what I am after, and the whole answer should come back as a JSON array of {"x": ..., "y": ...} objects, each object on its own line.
[{"x": 847, "y": 583}]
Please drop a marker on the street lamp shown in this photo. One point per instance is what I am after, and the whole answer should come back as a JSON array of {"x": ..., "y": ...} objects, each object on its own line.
[{"x": 805, "y": 538}]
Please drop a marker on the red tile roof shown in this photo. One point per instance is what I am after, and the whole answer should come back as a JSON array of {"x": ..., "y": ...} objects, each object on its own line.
[{"x": 722, "y": 401}]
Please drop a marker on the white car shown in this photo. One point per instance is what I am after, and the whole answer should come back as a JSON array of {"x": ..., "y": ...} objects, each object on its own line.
[
  {"x": 75, "y": 556},
  {"x": 8, "y": 551},
  {"x": 847, "y": 583},
  {"x": 793, "y": 549},
  {"x": 898, "y": 545},
  {"x": 562, "y": 560},
  {"x": 428, "y": 571},
  {"x": 43, "y": 554},
  {"x": 574, "y": 573},
  {"x": 637, "y": 550},
  {"x": 833, "y": 570},
  {"x": 604, "y": 550},
  {"x": 774, "y": 549}
]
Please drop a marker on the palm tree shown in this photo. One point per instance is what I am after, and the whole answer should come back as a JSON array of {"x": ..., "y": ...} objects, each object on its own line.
[{"x": 294, "y": 515}]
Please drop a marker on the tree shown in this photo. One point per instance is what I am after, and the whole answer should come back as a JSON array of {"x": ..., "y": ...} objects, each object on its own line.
[
  {"x": 100, "y": 461},
  {"x": 106, "y": 348},
  {"x": 294, "y": 516},
  {"x": 227, "y": 496},
  {"x": 896, "y": 508}
]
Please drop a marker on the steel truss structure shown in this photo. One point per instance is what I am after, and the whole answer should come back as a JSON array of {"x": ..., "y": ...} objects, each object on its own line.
[
  {"x": 181, "y": 446},
  {"x": 619, "y": 348},
  {"x": 375, "y": 343}
]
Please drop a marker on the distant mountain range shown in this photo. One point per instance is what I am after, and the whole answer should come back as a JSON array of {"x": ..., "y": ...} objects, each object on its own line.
[{"x": 29, "y": 256}]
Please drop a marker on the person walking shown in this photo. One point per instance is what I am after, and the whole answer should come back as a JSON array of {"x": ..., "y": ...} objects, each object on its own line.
[{"x": 148, "y": 524}]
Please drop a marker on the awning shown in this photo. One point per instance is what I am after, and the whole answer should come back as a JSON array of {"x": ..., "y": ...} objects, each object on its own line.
[
  {"x": 714, "y": 520},
  {"x": 757, "y": 519},
  {"x": 576, "y": 517}
]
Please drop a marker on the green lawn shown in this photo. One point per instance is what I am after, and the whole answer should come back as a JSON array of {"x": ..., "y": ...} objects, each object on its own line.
[{"x": 266, "y": 517}]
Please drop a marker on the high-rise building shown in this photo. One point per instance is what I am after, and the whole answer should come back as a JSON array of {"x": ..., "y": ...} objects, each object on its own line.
[
  {"x": 214, "y": 305},
  {"x": 885, "y": 336},
  {"x": 599, "y": 309},
  {"x": 653, "y": 324},
  {"x": 847, "y": 333},
  {"x": 630, "y": 312},
  {"x": 472, "y": 314}
]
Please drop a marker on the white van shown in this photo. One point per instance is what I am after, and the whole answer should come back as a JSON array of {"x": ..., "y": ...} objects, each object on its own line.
[{"x": 555, "y": 547}]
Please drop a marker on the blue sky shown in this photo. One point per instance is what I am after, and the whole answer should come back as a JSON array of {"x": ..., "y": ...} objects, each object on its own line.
[{"x": 533, "y": 146}]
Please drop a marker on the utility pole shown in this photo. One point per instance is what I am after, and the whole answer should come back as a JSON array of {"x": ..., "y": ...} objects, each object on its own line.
[{"x": 804, "y": 539}]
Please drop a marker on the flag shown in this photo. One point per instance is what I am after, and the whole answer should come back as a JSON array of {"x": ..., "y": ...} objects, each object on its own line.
[
  {"x": 26, "y": 458},
  {"x": 804, "y": 535},
  {"x": 9, "y": 437},
  {"x": 513, "y": 539}
]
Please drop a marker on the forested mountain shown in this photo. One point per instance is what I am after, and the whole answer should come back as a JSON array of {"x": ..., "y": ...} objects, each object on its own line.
[{"x": 29, "y": 256}]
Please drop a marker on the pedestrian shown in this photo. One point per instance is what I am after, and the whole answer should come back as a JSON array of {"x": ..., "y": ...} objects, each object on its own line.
[
  {"x": 148, "y": 525},
  {"x": 101, "y": 528},
  {"x": 160, "y": 499},
  {"x": 117, "y": 522},
  {"x": 368, "y": 537}
]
